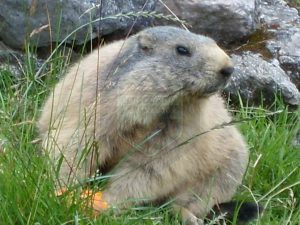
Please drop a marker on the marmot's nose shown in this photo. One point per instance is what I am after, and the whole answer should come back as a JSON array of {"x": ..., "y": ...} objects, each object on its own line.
[{"x": 227, "y": 71}]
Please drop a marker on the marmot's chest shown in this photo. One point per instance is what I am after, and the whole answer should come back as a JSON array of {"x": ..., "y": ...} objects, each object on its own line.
[{"x": 141, "y": 145}]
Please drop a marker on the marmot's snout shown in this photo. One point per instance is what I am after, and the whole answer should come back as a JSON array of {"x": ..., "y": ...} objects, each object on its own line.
[
  {"x": 216, "y": 58},
  {"x": 223, "y": 69},
  {"x": 227, "y": 71}
]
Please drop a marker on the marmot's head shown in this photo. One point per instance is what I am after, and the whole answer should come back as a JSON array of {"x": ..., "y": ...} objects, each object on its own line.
[{"x": 159, "y": 64}]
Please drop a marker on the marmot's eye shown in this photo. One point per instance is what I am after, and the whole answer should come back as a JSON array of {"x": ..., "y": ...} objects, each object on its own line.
[{"x": 181, "y": 50}]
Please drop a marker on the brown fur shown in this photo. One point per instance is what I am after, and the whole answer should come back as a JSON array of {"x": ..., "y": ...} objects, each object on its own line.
[{"x": 116, "y": 97}]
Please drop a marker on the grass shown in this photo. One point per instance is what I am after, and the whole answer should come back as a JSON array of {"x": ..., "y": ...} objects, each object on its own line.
[{"x": 27, "y": 187}]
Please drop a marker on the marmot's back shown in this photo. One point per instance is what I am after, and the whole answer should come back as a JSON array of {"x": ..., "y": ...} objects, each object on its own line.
[{"x": 78, "y": 88}]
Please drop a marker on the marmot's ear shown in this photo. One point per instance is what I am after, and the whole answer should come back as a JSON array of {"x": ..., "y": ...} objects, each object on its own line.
[{"x": 146, "y": 41}]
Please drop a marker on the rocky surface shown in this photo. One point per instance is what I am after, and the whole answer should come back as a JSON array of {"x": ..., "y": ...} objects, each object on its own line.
[
  {"x": 254, "y": 77},
  {"x": 36, "y": 18},
  {"x": 294, "y": 3},
  {"x": 283, "y": 24},
  {"x": 15, "y": 61},
  {"x": 296, "y": 141},
  {"x": 225, "y": 21}
]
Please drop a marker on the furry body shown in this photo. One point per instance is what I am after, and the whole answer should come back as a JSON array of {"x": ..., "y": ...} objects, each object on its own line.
[{"x": 133, "y": 103}]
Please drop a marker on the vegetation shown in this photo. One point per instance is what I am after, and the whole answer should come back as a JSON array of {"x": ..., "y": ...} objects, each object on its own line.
[
  {"x": 294, "y": 3},
  {"x": 27, "y": 184}
]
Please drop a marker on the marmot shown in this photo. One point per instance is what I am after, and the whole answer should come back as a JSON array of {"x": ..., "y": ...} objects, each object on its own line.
[{"x": 141, "y": 104}]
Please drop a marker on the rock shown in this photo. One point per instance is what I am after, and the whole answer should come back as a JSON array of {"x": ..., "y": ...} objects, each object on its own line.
[
  {"x": 294, "y": 3},
  {"x": 286, "y": 48},
  {"x": 296, "y": 141},
  {"x": 3, "y": 144},
  {"x": 256, "y": 78},
  {"x": 15, "y": 61},
  {"x": 225, "y": 21},
  {"x": 4, "y": 47},
  {"x": 277, "y": 14},
  {"x": 20, "y": 19},
  {"x": 283, "y": 23},
  {"x": 9, "y": 61}
]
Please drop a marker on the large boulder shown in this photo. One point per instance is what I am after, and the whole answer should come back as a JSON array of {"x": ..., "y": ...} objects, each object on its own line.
[
  {"x": 257, "y": 80},
  {"x": 51, "y": 21},
  {"x": 13, "y": 63},
  {"x": 282, "y": 23},
  {"x": 225, "y": 21}
]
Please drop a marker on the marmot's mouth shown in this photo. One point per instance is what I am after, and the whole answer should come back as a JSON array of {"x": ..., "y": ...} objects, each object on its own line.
[
  {"x": 215, "y": 88},
  {"x": 210, "y": 90}
]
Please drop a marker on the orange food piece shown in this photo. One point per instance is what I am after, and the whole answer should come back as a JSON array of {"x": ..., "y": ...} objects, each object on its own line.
[
  {"x": 60, "y": 191},
  {"x": 98, "y": 203},
  {"x": 95, "y": 199}
]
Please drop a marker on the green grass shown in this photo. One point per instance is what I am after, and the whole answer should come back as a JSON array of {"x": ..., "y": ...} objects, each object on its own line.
[
  {"x": 27, "y": 187},
  {"x": 297, "y": 1}
]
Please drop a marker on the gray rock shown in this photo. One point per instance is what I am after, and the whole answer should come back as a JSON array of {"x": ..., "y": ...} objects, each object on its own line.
[
  {"x": 286, "y": 48},
  {"x": 283, "y": 23},
  {"x": 296, "y": 141},
  {"x": 276, "y": 13},
  {"x": 15, "y": 61},
  {"x": 294, "y": 3},
  {"x": 19, "y": 19},
  {"x": 254, "y": 79},
  {"x": 225, "y": 21},
  {"x": 10, "y": 61}
]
